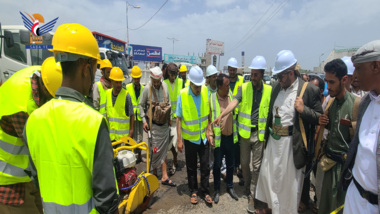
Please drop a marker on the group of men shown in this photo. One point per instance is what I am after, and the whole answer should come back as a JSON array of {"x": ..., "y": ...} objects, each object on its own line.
[{"x": 55, "y": 145}]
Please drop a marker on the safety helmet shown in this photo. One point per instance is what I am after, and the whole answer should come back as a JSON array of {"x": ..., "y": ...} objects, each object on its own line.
[
  {"x": 284, "y": 60},
  {"x": 196, "y": 76},
  {"x": 349, "y": 64},
  {"x": 211, "y": 70},
  {"x": 136, "y": 72},
  {"x": 117, "y": 74},
  {"x": 73, "y": 41},
  {"x": 105, "y": 63},
  {"x": 51, "y": 74},
  {"x": 183, "y": 68},
  {"x": 258, "y": 62},
  {"x": 232, "y": 62}
]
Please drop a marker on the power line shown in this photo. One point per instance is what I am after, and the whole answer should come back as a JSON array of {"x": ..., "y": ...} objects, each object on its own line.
[{"x": 150, "y": 17}]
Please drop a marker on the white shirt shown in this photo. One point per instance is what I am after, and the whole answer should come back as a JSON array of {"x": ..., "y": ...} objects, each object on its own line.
[{"x": 285, "y": 101}]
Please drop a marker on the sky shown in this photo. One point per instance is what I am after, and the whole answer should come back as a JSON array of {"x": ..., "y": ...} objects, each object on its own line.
[{"x": 310, "y": 28}]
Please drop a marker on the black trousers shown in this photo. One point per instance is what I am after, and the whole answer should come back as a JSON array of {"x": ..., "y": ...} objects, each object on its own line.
[
  {"x": 191, "y": 152},
  {"x": 226, "y": 149}
]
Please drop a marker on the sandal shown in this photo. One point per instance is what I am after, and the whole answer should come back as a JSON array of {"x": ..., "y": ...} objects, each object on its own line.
[
  {"x": 169, "y": 182},
  {"x": 194, "y": 198},
  {"x": 208, "y": 199},
  {"x": 302, "y": 207}
]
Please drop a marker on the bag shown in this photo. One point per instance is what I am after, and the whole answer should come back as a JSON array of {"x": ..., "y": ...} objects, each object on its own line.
[
  {"x": 326, "y": 163},
  {"x": 159, "y": 113}
]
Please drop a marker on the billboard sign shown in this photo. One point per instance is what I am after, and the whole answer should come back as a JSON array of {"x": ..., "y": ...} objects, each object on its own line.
[
  {"x": 214, "y": 47},
  {"x": 109, "y": 42},
  {"x": 181, "y": 58},
  {"x": 146, "y": 53}
]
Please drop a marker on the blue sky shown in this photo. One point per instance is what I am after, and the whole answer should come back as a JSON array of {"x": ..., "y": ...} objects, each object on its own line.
[{"x": 258, "y": 27}]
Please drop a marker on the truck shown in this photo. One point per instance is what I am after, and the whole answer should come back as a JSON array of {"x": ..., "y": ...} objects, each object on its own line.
[
  {"x": 114, "y": 50},
  {"x": 14, "y": 55}
]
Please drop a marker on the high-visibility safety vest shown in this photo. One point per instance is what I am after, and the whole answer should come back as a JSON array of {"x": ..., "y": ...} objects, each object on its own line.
[
  {"x": 102, "y": 98},
  {"x": 118, "y": 120},
  {"x": 215, "y": 112},
  {"x": 15, "y": 96},
  {"x": 135, "y": 102},
  {"x": 173, "y": 93},
  {"x": 239, "y": 82},
  {"x": 61, "y": 137},
  {"x": 187, "y": 83},
  {"x": 190, "y": 128},
  {"x": 245, "y": 110}
]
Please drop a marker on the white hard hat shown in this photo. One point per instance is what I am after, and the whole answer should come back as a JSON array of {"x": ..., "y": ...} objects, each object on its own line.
[
  {"x": 211, "y": 70},
  {"x": 232, "y": 62},
  {"x": 258, "y": 62},
  {"x": 349, "y": 64},
  {"x": 284, "y": 60},
  {"x": 196, "y": 76}
]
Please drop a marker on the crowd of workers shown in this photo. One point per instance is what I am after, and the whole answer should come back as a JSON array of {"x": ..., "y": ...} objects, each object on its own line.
[{"x": 55, "y": 144}]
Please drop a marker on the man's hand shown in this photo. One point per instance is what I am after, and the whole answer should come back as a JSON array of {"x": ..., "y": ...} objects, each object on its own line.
[
  {"x": 323, "y": 120},
  {"x": 298, "y": 105},
  {"x": 217, "y": 121},
  {"x": 211, "y": 140},
  {"x": 180, "y": 145},
  {"x": 146, "y": 127}
]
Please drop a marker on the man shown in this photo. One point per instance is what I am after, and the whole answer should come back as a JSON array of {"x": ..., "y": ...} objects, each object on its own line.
[
  {"x": 350, "y": 72},
  {"x": 160, "y": 132},
  {"x": 68, "y": 140},
  {"x": 192, "y": 126},
  {"x": 222, "y": 137},
  {"x": 183, "y": 75},
  {"x": 174, "y": 86},
  {"x": 254, "y": 98},
  {"x": 317, "y": 81},
  {"x": 360, "y": 173},
  {"x": 211, "y": 74},
  {"x": 101, "y": 86},
  {"x": 280, "y": 180},
  {"x": 20, "y": 95},
  {"x": 119, "y": 108},
  {"x": 134, "y": 90},
  {"x": 338, "y": 123},
  {"x": 305, "y": 77},
  {"x": 355, "y": 86}
]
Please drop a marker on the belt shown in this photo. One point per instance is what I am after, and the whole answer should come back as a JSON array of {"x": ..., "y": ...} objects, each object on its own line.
[
  {"x": 282, "y": 130},
  {"x": 338, "y": 157},
  {"x": 371, "y": 197}
]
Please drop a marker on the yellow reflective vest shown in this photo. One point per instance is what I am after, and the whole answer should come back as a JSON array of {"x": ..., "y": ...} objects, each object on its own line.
[
  {"x": 135, "y": 102},
  {"x": 187, "y": 83},
  {"x": 173, "y": 93},
  {"x": 239, "y": 82},
  {"x": 102, "y": 98},
  {"x": 245, "y": 110},
  {"x": 215, "y": 112},
  {"x": 15, "y": 96},
  {"x": 118, "y": 120},
  {"x": 190, "y": 128},
  {"x": 61, "y": 137}
]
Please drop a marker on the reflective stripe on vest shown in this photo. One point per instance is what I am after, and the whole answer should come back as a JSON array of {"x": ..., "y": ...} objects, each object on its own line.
[
  {"x": 173, "y": 93},
  {"x": 192, "y": 126},
  {"x": 239, "y": 82},
  {"x": 135, "y": 102},
  {"x": 119, "y": 122},
  {"x": 245, "y": 110},
  {"x": 15, "y": 96},
  {"x": 102, "y": 98},
  {"x": 215, "y": 112},
  {"x": 64, "y": 165}
]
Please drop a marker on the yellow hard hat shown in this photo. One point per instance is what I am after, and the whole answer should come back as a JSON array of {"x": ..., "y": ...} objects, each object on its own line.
[
  {"x": 51, "y": 74},
  {"x": 105, "y": 64},
  {"x": 136, "y": 72},
  {"x": 76, "y": 39},
  {"x": 183, "y": 68},
  {"x": 117, "y": 74}
]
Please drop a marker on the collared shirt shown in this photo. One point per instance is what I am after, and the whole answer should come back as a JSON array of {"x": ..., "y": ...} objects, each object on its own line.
[
  {"x": 365, "y": 169},
  {"x": 210, "y": 90},
  {"x": 197, "y": 101},
  {"x": 256, "y": 100},
  {"x": 285, "y": 102},
  {"x": 226, "y": 125}
]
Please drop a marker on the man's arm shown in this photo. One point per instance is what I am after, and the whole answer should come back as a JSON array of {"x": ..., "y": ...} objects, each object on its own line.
[
  {"x": 31, "y": 170},
  {"x": 226, "y": 111},
  {"x": 179, "y": 136},
  {"x": 210, "y": 131},
  {"x": 131, "y": 114},
  {"x": 96, "y": 97}
]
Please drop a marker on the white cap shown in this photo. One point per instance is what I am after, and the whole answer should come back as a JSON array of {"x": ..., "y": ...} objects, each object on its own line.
[
  {"x": 196, "y": 76},
  {"x": 232, "y": 62},
  {"x": 349, "y": 64},
  {"x": 156, "y": 73},
  {"x": 258, "y": 62},
  {"x": 284, "y": 60},
  {"x": 211, "y": 70}
]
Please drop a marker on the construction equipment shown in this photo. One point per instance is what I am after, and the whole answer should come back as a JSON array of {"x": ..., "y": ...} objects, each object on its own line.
[{"x": 135, "y": 195}]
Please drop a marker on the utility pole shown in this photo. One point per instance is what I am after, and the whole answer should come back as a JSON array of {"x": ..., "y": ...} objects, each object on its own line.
[{"x": 174, "y": 40}]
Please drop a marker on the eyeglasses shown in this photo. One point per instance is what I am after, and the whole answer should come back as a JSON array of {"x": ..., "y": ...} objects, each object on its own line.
[{"x": 280, "y": 76}]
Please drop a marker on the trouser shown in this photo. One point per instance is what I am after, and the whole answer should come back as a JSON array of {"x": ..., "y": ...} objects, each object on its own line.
[
  {"x": 32, "y": 202},
  {"x": 225, "y": 149},
  {"x": 191, "y": 152},
  {"x": 256, "y": 147},
  {"x": 138, "y": 133},
  {"x": 237, "y": 153}
]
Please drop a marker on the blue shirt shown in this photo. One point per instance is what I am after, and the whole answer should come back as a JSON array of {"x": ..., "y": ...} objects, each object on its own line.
[{"x": 197, "y": 101}]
